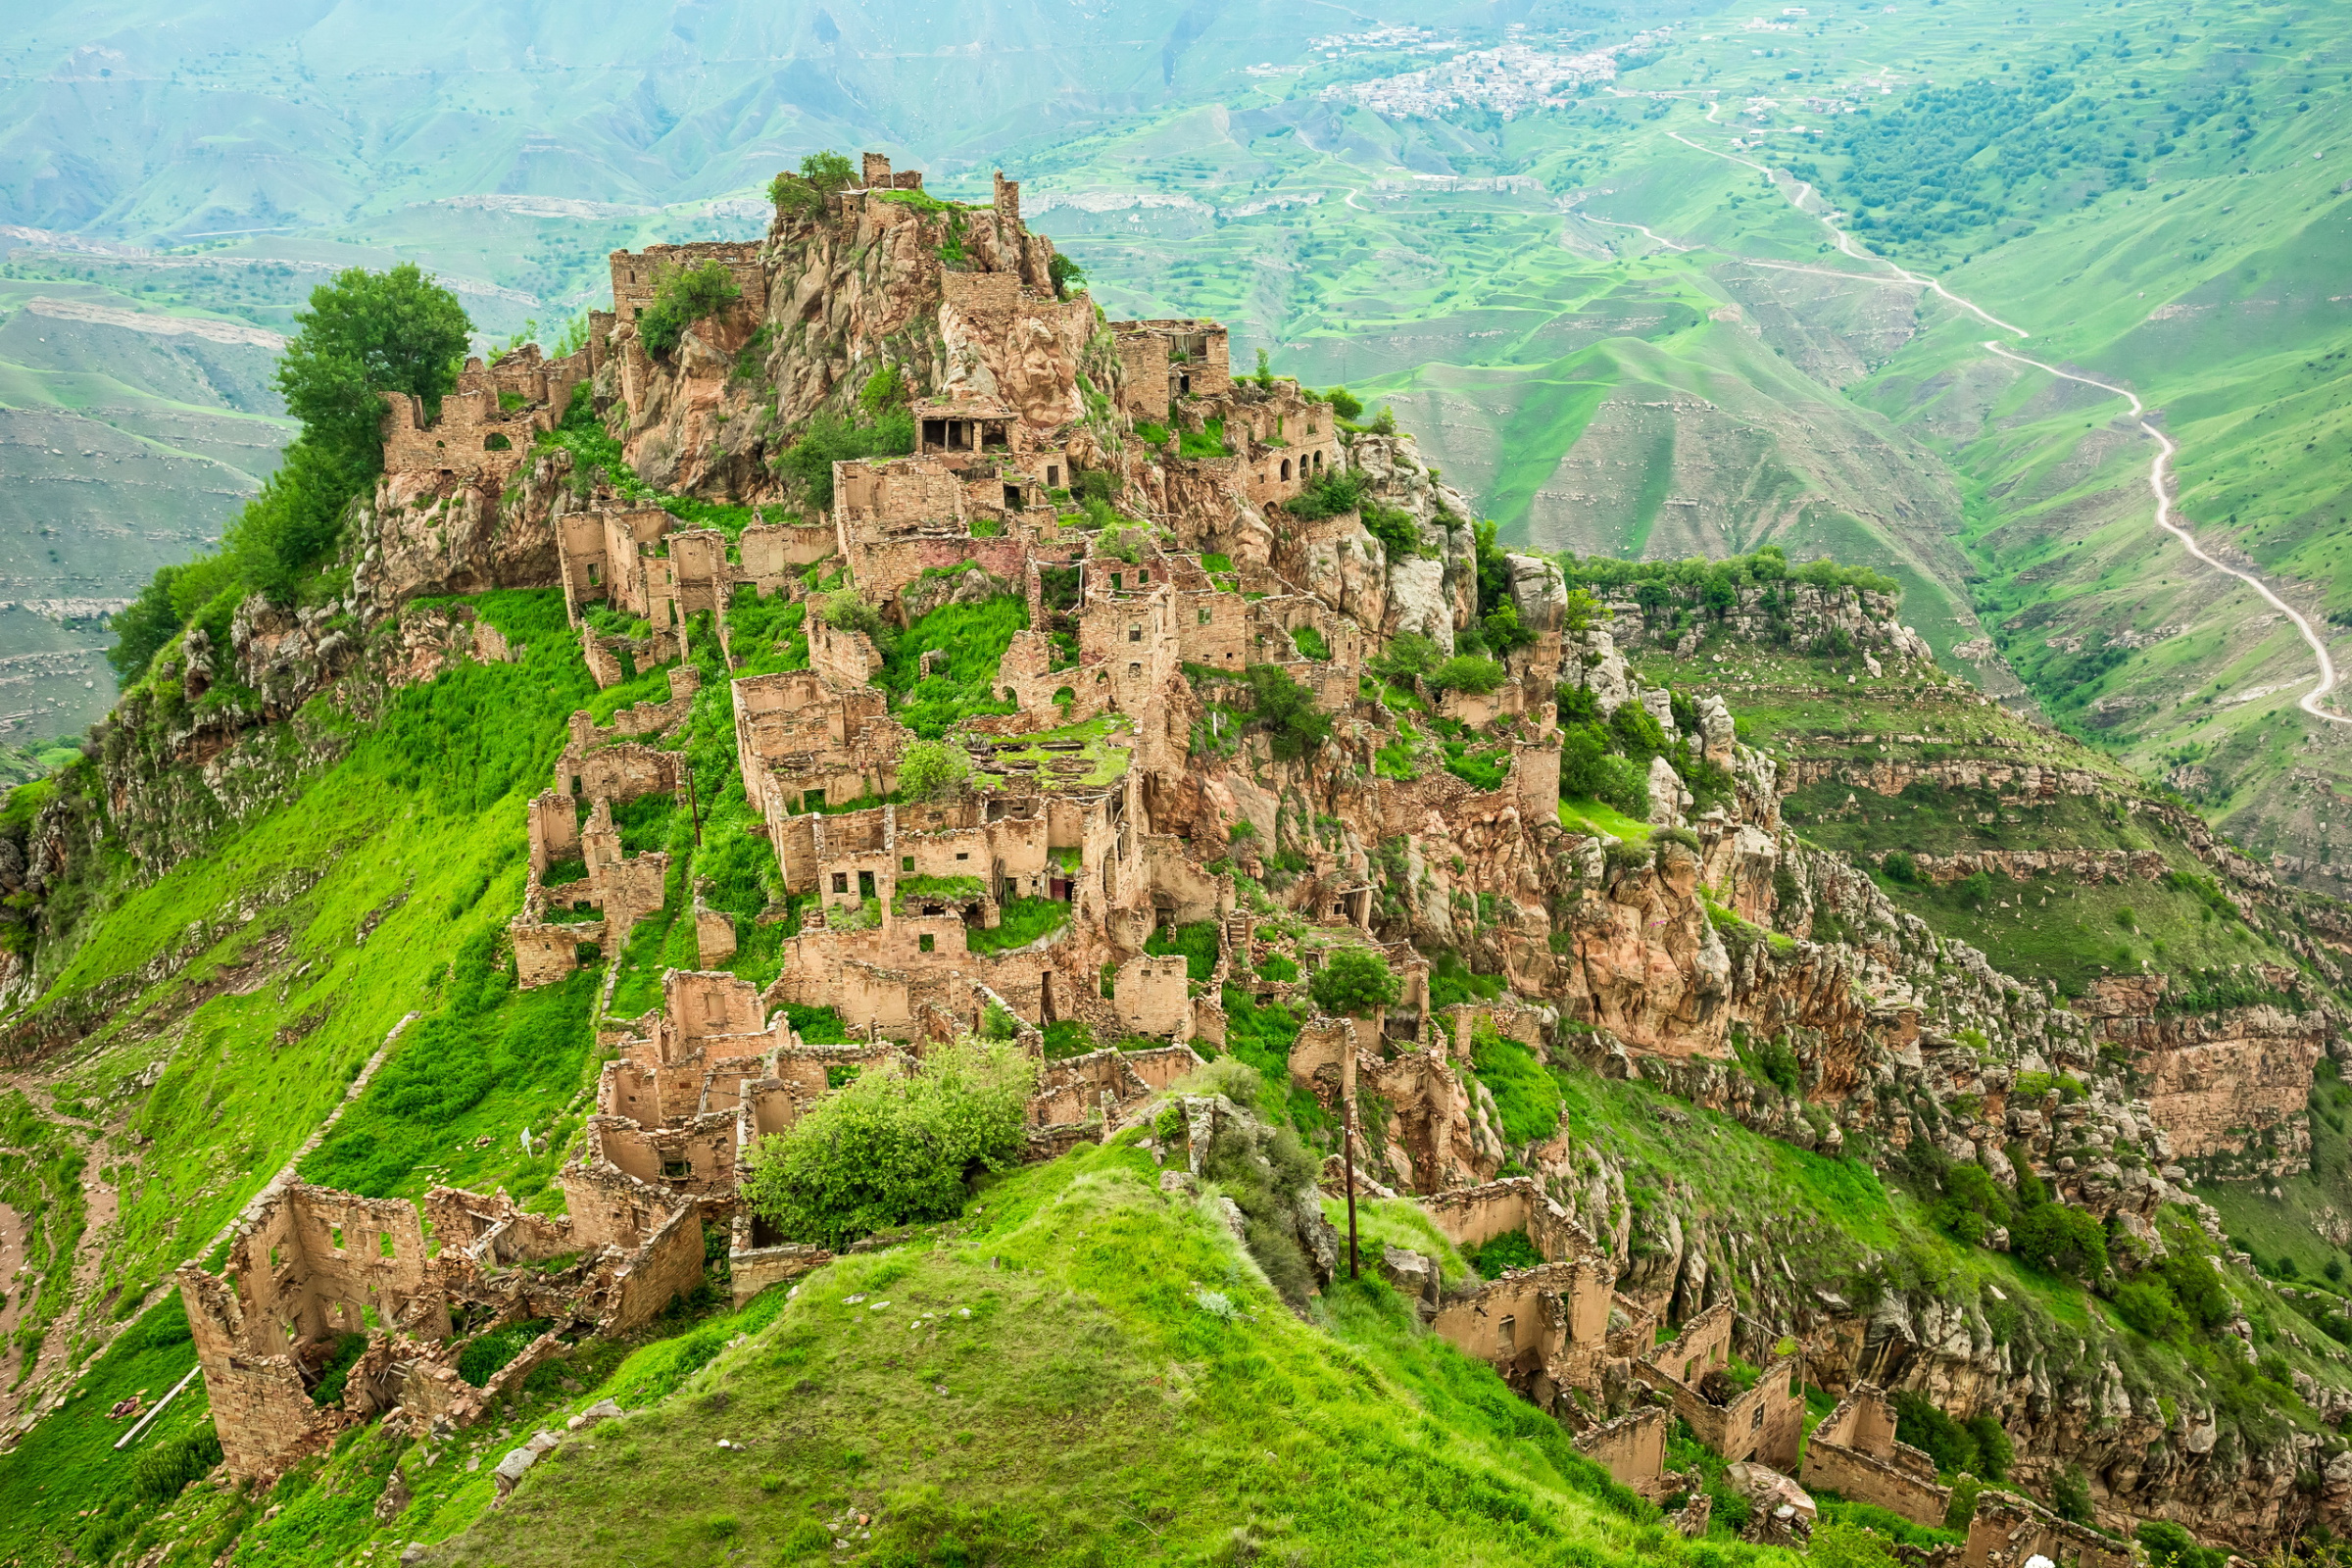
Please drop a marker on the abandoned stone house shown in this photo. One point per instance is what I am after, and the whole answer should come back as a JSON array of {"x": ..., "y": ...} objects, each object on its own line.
[
  {"x": 307, "y": 1266},
  {"x": 482, "y": 431},
  {"x": 1168, "y": 361},
  {"x": 1764, "y": 1422},
  {"x": 1854, "y": 1453},
  {"x": 2011, "y": 1531}
]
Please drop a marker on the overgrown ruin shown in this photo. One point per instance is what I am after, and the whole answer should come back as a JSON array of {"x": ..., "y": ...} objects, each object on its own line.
[{"x": 1209, "y": 744}]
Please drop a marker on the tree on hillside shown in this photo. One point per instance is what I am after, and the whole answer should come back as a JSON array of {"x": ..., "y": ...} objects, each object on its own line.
[
  {"x": 365, "y": 334},
  {"x": 803, "y": 195},
  {"x": 1355, "y": 982}
]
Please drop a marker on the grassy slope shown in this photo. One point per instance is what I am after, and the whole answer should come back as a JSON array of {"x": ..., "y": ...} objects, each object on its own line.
[
  {"x": 208, "y": 1079},
  {"x": 1089, "y": 1410},
  {"x": 2060, "y": 928}
]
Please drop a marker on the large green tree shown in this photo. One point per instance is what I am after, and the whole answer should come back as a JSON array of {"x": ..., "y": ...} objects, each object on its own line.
[
  {"x": 369, "y": 333},
  {"x": 365, "y": 334}
]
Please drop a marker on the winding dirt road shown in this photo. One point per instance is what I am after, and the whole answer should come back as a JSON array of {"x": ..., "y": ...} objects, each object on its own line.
[{"x": 2160, "y": 469}]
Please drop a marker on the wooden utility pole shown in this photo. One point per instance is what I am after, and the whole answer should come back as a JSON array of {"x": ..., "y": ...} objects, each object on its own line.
[{"x": 1348, "y": 1138}]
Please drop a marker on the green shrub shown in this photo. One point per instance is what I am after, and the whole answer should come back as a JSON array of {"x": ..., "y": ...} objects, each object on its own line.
[
  {"x": 2070, "y": 1495},
  {"x": 831, "y": 438},
  {"x": 486, "y": 1354},
  {"x": 1197, "y": 943},
  {"x": 1310, "y": 642},
  {"x": 930, "y": 770},
  {"x": 2171, "y": 1547},
  {"x": 164, "y": 1471},
  {"x": 682, "y": 297},
  {"x": 1355, "y": 982},
  {"x": 1467, "y": 672},
  {"x": 2148, "y": 1307},
  {"x": 2063, "y": 1239},
  {"x": 1288, "y": 711},
  {"x": 1511, "y": 1250},
  {"x": 1408, "y": 654},
  {"x": 334, "y": 1373},
  {"x": 890, "y": 1151},
  {"x": 803, "y": 195}
]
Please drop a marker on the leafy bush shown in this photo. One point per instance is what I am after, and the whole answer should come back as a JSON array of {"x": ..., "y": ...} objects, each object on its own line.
[
  {"x": 929, "y": 770},
  {"x": 1345, "y": 404},
  {"x": 2070, "y": 1495},
  {"x": 2171, "y": 1547},
  {"x": 486, "y": 1354},
  {"x": 2147, "y": 1306},
  {"x": 1467, "y": 672},
  {"x": 1329, "y": 494},
  {"x": 1288, "y": 711},
  {"x": 1972, "y": 1203},
  {"x": 682, "y": 297},
  {"x": 1310, "y": 642},
  {"x": 1511, "y": 1250},
  {"x": 803, "y": 195},
  {"x": 2063, "y": 1239},
  {"x": 1408, "y": 654},
  {"x": 335, "y": 1372},
  {"x": 831, "y": 438},
  {"x": 1980, "y": 1447},
  {"x": 1063, "y": 272},
  {"x": 888, "y": 1151},
  {"x": 1355, "y": 983},
  {"x": 363, "y": 334}
]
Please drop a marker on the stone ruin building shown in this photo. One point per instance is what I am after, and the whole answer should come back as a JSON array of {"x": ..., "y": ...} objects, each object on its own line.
[{"x": 1024, "y": 404}]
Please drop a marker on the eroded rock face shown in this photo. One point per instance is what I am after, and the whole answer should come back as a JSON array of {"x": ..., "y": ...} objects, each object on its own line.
[
  {"x": 1420, "y": 603},
  {"x": 417, "y": 537}
]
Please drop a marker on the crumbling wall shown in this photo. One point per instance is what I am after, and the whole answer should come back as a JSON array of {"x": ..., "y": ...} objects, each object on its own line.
[
  {"x": 1854, "y": 1453},
  {"x": 1632, "y": 1448},
  {"x": 2009, "y": 1531}
]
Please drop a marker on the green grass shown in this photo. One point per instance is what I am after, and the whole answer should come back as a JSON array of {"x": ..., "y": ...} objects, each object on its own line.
[
  {"x": 1057, "y": 1385},
  {"x": 1019, "y": 922},
  {"x": 1197, "y": 943},
  {"x": 1587, "y": 816},
  {"x": 68, "y": 1461},
  {"x": 1527, "y": 1098},
  {"x": 1104, "y": 744},
  {"x": 974, "y": 638},
  {"x": 1396, "y": 1222}
]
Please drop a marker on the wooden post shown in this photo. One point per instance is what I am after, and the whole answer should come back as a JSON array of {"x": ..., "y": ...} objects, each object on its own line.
[{"x": 1348, "y": 1136}]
